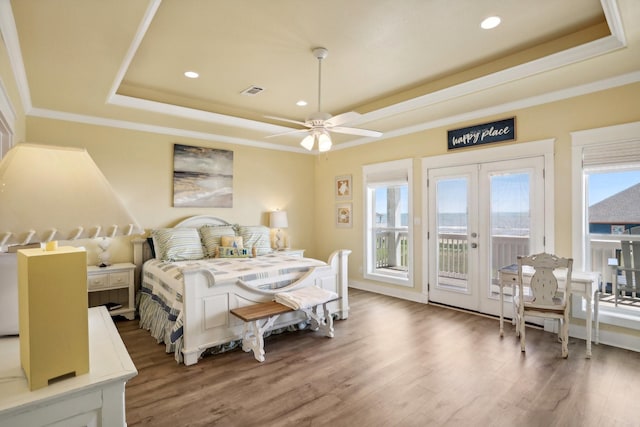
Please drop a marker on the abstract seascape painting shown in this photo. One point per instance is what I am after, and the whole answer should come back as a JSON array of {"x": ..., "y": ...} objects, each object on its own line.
[{"x": 202, "y": 177}]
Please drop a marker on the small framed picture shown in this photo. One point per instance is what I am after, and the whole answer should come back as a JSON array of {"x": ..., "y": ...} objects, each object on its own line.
[
  {"x": 617, "y": 229},
  {"x": 344, "y": 214},
  {"x": 343, "y": 187}
]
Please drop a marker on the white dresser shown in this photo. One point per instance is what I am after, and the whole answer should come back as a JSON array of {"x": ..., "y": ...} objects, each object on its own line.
[
  {"x": 93, "y": 399},
  {"x": 8, "y": 294}
]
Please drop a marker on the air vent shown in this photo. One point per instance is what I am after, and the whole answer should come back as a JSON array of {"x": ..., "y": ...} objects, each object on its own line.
[{"x": 252, "y": 90}]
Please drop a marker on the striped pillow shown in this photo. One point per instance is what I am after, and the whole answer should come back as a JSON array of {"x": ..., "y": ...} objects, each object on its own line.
[
  {"x": 177, "y": 244},
  {"x": 256, "y": 236},
  {"x": 212, "y": 235}
]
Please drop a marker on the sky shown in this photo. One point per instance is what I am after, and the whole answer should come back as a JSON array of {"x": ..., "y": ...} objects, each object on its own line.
[{"x": 603, "y": 185}]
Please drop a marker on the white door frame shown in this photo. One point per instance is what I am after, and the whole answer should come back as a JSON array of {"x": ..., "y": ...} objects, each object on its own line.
[{"x": 544, "y": 148}]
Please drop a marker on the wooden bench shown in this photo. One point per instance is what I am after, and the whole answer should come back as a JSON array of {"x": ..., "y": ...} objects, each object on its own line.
[{"x": 260, "y": 317}]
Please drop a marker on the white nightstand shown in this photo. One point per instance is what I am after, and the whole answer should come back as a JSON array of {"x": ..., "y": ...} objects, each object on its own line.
[
  {"x": 112, "y": 284},
  {"x": 293, "y": 252}
]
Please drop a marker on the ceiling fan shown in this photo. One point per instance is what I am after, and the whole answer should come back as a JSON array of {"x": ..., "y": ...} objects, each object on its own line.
[{"x": 320, "y": 124}]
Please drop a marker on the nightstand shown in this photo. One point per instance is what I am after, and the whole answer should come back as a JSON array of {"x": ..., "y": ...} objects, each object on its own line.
[
  {"x": 112, "y": 284},
  {"x": 293, "y": 252}
]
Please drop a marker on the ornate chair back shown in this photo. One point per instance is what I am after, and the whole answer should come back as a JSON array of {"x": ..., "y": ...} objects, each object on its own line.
[{"x": 545, "y": 297}]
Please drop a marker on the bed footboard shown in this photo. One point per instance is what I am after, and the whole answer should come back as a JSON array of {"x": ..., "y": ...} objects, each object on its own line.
[{"x": 206, "y": 317}]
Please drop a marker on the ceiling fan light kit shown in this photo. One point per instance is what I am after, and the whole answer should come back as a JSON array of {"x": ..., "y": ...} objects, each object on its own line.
[{"x": 319, "y": 124}]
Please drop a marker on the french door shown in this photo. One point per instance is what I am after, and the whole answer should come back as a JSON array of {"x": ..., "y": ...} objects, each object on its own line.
[{"x": 481, "y": 216}]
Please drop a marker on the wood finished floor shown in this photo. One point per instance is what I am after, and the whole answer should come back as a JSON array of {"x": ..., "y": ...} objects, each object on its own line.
[{"x": 392, "y": 363}]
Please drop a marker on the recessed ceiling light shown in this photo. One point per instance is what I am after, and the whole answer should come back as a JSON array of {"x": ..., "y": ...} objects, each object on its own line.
[
  {"x": 191, "y": 74},
  {"x": 490, "y": 22},
  {"x": 301, "y": 103}
]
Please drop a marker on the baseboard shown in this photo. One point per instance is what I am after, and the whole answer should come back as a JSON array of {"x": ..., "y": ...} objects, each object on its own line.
[
  {"x": 389, "y": 291},
  {"x": 613, "y": 339}
]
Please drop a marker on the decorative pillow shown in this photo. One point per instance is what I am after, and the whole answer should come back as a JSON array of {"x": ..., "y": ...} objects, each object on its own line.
[
  {"x": 256, "y": 236},
  {"x": 231, "y": 241},
  {"x": 231, "y": 252},
  {"x": 211, "y": 236},
  {"x": 177, "y": 244}
]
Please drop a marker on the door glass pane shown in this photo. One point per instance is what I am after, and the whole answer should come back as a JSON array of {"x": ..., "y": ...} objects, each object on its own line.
[
  {"x": 452, "y": 225},
  {"x": 510, "y": 221}
]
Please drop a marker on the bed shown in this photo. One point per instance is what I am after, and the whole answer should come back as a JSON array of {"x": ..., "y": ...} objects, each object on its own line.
[{"x": 186, "y": 303}]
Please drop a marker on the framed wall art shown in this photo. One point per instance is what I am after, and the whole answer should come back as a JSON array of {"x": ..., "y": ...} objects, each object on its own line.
[
  {"x": 344, "y": 215},
  {"x": 343, "y": 187},
  {"x": 202, "y": 177}
]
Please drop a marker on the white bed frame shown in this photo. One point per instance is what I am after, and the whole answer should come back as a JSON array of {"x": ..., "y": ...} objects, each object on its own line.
[{"x": 207, "y": 321}]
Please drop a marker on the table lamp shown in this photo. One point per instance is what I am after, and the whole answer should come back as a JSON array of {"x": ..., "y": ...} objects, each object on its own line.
[
  {"x": 49, "y": 193},
  {"x": 278, "y": 219}
]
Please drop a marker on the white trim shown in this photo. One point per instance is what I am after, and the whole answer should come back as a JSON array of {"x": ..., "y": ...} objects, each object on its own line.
[
  {"x": 123, "y": 124},
  {"x": 194, "y": 114},
  {"x": 616, "y": 339},
  {"x": 545, "y": 98},
  {"x": 10, "y": 35},
  {"x": 388, "y": 291},
  {"x": 614, "y": 21},
  {"x": 6, "y": 109},
  {"x": 543, "y": 148},
  {"x": 148, "y": 16},
  {"x": 368, "y": 268},
  {"x": 547, "y": 63},
  {"x": 579, "y": 140}
]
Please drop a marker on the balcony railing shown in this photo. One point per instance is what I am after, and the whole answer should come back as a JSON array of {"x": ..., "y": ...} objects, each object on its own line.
[
  {"x": 604, "y": 247},
  {"x": 392, "y": 253},
  {"x": 453, "y": 254},
  {"x": 392, "y": 249}
]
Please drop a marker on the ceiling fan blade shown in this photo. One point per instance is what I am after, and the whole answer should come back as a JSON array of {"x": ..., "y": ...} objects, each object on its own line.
[
  {"x": 291, "y": 132},
  {"x": 342, "y": 119},
  {"x": 356, "y": 131},
  {"x": 287, "y": 120}
]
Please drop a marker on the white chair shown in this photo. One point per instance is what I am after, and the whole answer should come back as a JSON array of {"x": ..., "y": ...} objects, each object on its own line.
[
  {"x": 625, "y": 287},
  {"x": 540, "y": 296}
]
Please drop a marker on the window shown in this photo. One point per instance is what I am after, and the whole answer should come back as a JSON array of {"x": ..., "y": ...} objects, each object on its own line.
[
  {"x": 388, "y": 243},
  {"x": 606, "y": 186}
]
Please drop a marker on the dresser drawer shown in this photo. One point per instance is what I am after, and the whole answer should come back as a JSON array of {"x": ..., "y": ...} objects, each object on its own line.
[
  {"x": 119, "y": 279},
  {"x": 97, "y": 281}
]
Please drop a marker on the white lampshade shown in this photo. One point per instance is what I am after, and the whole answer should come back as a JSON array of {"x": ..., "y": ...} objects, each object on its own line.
[
  {"x": 324, "y": 142},
  {"x": 307, "y": 142},
  {"x": 57, "y": 193},
  {"x": 278, "y": 219}
]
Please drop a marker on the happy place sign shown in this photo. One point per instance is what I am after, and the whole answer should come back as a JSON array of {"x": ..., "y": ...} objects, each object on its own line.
[{"x": 502, "y": 130}]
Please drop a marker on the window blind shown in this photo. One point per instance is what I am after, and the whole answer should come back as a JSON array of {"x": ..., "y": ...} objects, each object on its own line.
[
  {"x": 619, "y": 153},
  {"x": 387, "y": 177}
]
